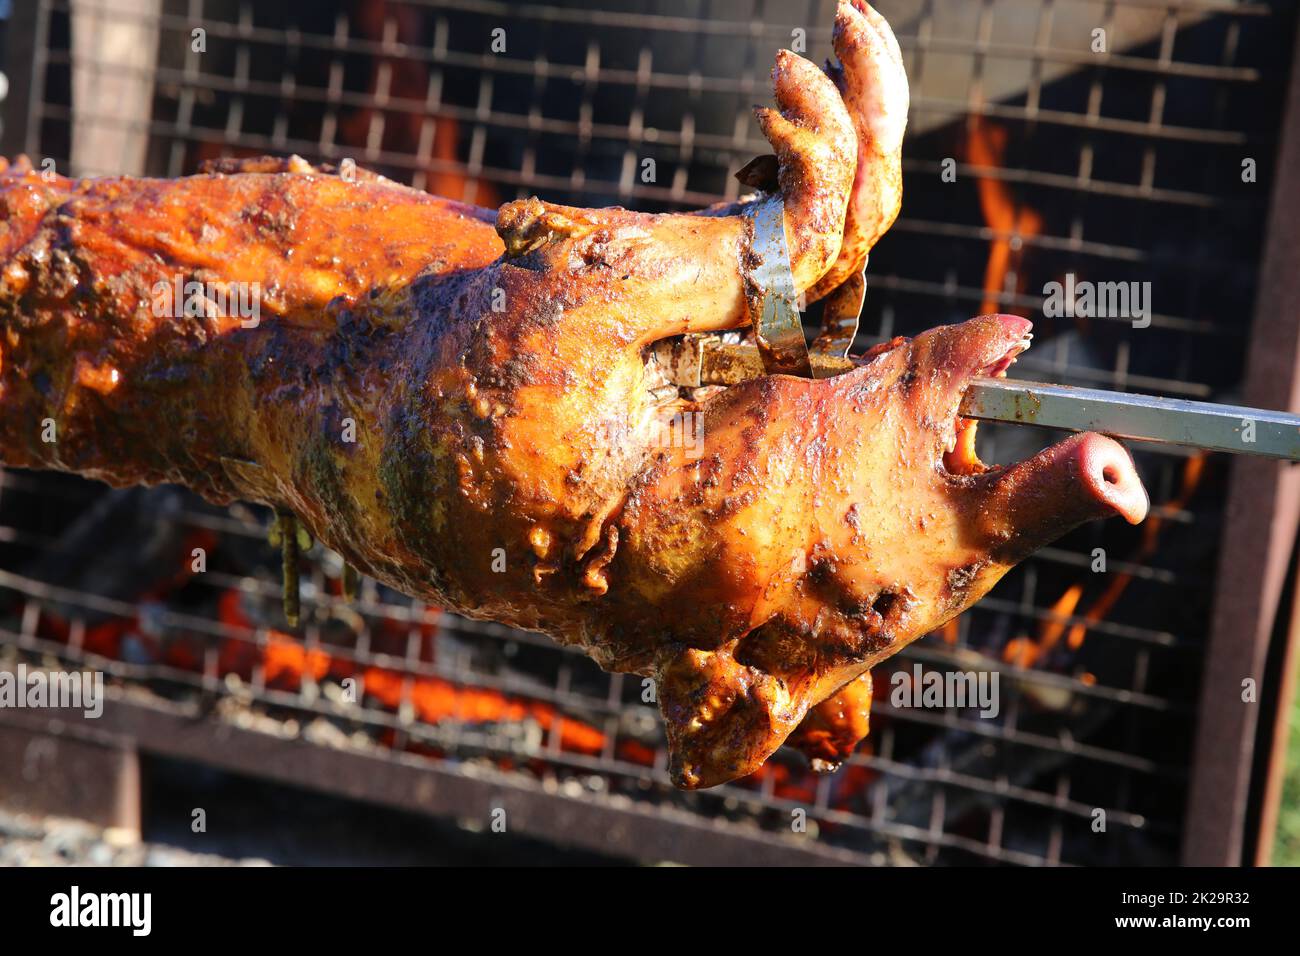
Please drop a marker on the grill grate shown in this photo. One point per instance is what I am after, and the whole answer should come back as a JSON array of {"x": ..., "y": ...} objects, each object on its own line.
[{"x": 1119, "y": 166}]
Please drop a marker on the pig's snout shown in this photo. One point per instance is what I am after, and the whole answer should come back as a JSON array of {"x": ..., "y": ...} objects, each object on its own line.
[
  {"x": 1106, "y": 472},
  {"x": 1083, "y": 478}
]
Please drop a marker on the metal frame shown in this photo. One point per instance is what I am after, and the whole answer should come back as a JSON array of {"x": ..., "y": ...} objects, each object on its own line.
[
  {"x": 24, "y": 51},
  {"x": 960, "y": 786},
  {"x": 406, "y": 782},
  {"x": 1273, "y": 767}
]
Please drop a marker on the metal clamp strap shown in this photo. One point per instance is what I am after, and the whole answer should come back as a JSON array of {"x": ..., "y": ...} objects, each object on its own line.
[{"x": 774, "y": 308}]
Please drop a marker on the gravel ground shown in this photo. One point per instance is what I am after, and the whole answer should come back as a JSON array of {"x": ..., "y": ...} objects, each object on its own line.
[{"x": 27, "y": 840}]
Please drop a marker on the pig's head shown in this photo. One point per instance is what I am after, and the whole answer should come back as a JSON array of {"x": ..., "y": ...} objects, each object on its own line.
[{"x": 885, "y": 525}]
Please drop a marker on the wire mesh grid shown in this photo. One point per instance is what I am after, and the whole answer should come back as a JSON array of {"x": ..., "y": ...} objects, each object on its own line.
[{"x": 1030, "y": 155}]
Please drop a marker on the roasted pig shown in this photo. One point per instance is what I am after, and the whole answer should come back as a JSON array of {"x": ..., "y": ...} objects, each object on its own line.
[{"x": 463, "y": 403}]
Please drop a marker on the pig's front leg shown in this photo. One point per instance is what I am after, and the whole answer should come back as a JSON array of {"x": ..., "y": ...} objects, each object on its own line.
[
  {"x": 873, "y": 85},
  {"x": 673, "y": 268}
]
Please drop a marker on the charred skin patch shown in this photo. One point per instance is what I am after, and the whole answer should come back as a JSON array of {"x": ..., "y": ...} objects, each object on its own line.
[{"x": 961, "y": 578}]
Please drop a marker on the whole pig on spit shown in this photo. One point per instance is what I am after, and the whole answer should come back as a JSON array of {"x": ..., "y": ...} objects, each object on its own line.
[{"x": 463, "y": 404}]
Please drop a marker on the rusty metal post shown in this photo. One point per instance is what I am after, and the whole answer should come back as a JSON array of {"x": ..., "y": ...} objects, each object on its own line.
[
  {"x": 1281, "y": 733},
  {"x": 69, "y": 776},
  {"x": 1260, "y": 529}
]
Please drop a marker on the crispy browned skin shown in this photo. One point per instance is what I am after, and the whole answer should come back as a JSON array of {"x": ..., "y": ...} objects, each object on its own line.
[{"x": 506, "y": 461}]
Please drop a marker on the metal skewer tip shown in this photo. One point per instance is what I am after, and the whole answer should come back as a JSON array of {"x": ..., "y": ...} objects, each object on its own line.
[{"x": 1227, "y": 428}]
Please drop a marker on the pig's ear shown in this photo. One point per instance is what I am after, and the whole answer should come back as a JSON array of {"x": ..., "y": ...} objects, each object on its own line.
[
  {"x": 527, "y": 225},
  {"x": 723, "y": 718}
]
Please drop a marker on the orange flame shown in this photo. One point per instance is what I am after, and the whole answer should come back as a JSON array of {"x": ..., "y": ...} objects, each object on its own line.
[
  {"x": 1192, "y": 473},
  {"x": 950, "y": 630},
  {"x": 406, "y": 78},
  {"x": 436, "y": 700},
  {"x": 1010, "y": 222},
  {"x": 1025, "y": 651},
  {"x": 285, "y": 660}
]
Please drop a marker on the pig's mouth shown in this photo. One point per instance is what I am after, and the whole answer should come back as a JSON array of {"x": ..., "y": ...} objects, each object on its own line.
[
  {"x": 1095, "y": 471},
  {"x": 960, "y": 457}
]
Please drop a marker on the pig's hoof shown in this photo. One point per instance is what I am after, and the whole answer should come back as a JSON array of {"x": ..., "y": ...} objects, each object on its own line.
[
  {"x": 873, "y": 83},
  {"x": 816, "y": 150},
  {"x": 723, "y": 718}
]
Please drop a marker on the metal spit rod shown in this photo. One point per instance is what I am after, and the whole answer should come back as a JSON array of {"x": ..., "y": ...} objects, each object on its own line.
[
  {"x": 1169, "y": 421},
  {"x": 1146, "y": 418}
]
